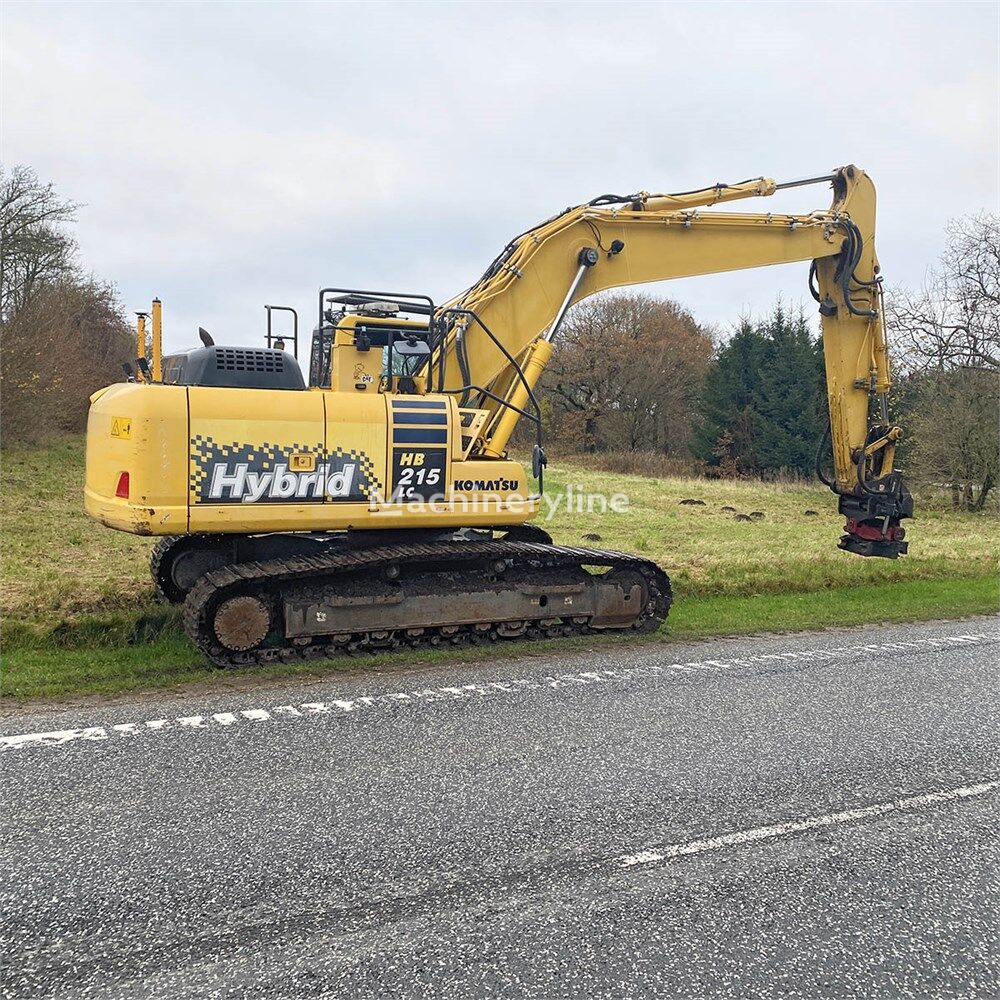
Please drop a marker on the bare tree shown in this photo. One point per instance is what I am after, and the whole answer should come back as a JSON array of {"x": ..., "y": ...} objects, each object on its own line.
[
  {"x": 35, "y": 249},
  {"x": 67, "y": 341},
  {"x": 64, "y": 334},
  {"x": 626, "y": 374},
  {"x": 956, "y": 432},
  {"x": 954, "y": 319}
]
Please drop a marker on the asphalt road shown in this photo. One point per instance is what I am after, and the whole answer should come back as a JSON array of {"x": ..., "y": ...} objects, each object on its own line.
[{"x": 801, "y": 816}]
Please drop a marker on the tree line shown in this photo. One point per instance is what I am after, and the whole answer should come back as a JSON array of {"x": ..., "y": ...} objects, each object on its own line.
[
  {"x": 633, "y": 373},
  {"x": 63, "y": 331}
]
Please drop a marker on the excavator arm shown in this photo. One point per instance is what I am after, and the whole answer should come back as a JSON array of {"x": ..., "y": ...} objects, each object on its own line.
[{"x": 496, "y": 338}]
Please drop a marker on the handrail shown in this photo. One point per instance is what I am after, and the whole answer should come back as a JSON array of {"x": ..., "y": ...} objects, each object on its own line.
[
  {"x": 295, "y": 328},
  {"x": 536, "y": 418}
]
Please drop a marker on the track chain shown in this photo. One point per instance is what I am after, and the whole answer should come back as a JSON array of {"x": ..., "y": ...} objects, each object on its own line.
[
  {"x": 166, "y": 591},
  {"x": 269, "y": 577}
]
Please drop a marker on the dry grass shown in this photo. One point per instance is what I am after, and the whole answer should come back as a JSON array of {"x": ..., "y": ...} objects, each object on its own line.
[
  {"x": 707, "y": 552},
  {"x": 56, "y": 565}
]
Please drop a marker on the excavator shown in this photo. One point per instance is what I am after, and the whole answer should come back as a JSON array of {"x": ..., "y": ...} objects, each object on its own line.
[{"x": 378, "y": 506}]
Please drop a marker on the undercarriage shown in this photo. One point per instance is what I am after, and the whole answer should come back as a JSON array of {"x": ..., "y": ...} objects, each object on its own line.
[{"x": 326, "y": 595}]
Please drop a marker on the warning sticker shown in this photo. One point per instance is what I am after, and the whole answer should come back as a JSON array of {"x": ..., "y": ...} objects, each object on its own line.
[{"x": 121, "y": 427}]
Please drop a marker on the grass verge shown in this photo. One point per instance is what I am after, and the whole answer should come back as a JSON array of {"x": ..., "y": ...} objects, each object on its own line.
[
  {"x": 80, "y": 617},
  {"x": 164, "y": 659}
]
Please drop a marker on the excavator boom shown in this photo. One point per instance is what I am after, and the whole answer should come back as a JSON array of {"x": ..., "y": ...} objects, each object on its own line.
[{"x": 514, "y": 311}]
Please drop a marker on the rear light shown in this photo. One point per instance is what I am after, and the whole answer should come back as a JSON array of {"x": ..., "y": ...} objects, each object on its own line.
[{"x": 122, "y": 490}]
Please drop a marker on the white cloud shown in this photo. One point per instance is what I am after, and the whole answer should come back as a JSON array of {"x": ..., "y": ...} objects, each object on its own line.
[{"x": 232, "y": 154}]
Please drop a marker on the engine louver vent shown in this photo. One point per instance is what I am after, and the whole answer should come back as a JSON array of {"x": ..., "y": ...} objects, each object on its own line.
[{"x": 248, "y": 359}]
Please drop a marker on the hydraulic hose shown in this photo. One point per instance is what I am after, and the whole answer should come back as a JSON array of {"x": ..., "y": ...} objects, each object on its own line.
[{"x": 820, "y": 475}]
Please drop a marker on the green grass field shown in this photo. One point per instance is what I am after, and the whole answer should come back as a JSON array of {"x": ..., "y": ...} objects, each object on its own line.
[{"x": 79, "y": 614}]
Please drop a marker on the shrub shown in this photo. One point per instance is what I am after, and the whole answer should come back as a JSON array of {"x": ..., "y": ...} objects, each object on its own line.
[{"x": 67, "y": 341}]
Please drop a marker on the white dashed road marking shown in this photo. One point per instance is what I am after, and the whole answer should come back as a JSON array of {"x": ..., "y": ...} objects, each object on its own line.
[
  {"x": 659, "y": 855},
  {"x": 341, "y": 706}
]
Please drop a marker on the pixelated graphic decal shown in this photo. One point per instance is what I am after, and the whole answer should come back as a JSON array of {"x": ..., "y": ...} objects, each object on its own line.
[{"x": 269, "y": 473}]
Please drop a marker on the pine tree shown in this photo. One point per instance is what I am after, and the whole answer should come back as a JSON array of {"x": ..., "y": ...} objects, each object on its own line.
[
  {"x": 762, "y": 407},
  {"x": 790, "y": 394},
  {"x": 726, "y": 435}
]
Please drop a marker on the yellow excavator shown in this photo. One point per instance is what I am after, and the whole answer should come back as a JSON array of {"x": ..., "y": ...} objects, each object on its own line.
[{"x": 377, "y": 505}]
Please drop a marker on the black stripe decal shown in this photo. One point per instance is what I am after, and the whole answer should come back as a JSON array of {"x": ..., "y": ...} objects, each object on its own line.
[
  {"x": 419, "y": 404},
  {"x": 413, "y": 435},
  {"x": 424, "y": 419}
]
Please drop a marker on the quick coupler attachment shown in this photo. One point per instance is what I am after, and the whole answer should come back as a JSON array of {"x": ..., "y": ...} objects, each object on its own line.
[{"x": 873, "y": 517}]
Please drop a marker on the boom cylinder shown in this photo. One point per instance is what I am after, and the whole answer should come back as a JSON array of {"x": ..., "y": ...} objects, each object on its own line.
[{"x": 539, "y": 355}]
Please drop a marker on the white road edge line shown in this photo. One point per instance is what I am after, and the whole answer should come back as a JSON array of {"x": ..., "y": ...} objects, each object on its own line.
[
  {"x": 340, "y": 706},
  {"x": 655, "y": 856}
]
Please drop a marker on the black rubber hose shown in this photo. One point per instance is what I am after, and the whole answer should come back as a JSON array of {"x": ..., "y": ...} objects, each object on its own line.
[
  {"x": 463, "y": 362},
  {"x": 608, "y": 199},
  {"x": 846, "y": 272},
  {"x": 813, "y": 289},
  {"x": 865, "y": 488},
  {"x": 848, "y": 260},
  {"x": 824, "y": 438}
]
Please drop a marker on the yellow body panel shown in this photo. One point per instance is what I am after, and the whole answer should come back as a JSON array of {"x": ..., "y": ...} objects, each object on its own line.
[
  {"x": 248, "y": 449},
  {"x": 154, "y": 454},
  {"x": 250, "y": 461}
]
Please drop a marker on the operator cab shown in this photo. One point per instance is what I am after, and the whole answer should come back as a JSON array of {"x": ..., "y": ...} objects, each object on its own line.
[{"x": 369, "y": 342}]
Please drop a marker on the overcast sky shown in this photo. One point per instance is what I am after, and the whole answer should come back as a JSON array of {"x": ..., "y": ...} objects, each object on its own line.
[{"x": 233, "y": 154}]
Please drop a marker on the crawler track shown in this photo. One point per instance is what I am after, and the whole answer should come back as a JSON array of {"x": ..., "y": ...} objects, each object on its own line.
[
  {"x": 441, "y": 571},
  {"x": 166, "y": 590}
]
